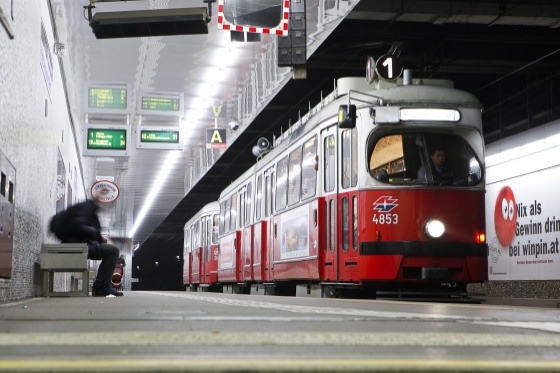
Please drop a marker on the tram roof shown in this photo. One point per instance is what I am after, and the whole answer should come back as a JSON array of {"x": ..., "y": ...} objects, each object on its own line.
[{"x": 208, "y": 208}]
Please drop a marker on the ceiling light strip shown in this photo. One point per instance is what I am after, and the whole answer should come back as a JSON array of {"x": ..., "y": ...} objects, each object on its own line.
[{"x": 163, "y": 175}]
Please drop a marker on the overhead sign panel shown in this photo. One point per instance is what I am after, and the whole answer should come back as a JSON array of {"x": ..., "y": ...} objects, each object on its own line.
[
  {"x": 159, "y": 138},
  {"x": 216, "y": 138},
  {"x": 107, "y": 98},
  {"x": 160, "y": 104},
  {"x": 218, "y": 109},
  {"x": 261, "y": 17},
  {"x": 154, "y": 103},
  {"x": 146, "y": 23},
  {"x": 106, "y": 140}
]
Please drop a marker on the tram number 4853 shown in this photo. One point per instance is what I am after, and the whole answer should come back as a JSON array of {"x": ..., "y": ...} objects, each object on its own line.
[{"x": 386, "y": 219}]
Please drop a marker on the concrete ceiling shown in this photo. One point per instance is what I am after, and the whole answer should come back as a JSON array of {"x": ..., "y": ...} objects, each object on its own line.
[{"x": 505, "y": 52}]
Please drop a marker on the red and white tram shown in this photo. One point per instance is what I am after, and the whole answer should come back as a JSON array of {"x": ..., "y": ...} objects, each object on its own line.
[
  {"x": 200, "y": 249},
  {"x": 356, "y": 193}
]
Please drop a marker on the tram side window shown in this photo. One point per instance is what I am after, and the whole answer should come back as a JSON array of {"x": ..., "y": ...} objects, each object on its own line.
[
  {"x": 193, "y": 239},
  {"x": 354, "y": 163},
  {"x": 308, "y": 172},
  {"x": 227, "y": 215},
  {"x": 267, "y": 196},
  {"x": 272, "y": 189},
  {"x": 233, "y": 212},
  {"x": 330, "y": 162},
  {"x": 281, "y": 183},
  {"x": 215, "y": 229},
  {"x": 258, "y": 201},
  {"x": 204, "y": 239},
  {"x": 294, "y": 177},
  {"x": 424, "y": 158},
  {"x": 208, "y": 239},
  {"x": 248, "y": 203},
  {"x": 223, "y": 217},
  {"x": 241, "y": 209},
  {"x": 349, "y": 158},
  {"x": 196, "y": 234},
  {"x": 187, "y": 241}
]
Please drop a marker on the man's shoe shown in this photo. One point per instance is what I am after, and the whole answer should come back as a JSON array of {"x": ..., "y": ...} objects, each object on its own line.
[{"x": 103, "y": 291}]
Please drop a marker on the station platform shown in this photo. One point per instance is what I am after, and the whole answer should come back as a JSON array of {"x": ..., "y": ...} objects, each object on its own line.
[{"x": 209, "y": 332}]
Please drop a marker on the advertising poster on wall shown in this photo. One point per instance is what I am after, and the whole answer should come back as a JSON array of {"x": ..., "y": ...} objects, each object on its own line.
[
  {"x": 227, "y": 252},
  {"x": 523, "y": 228},
  {"x": 295, "y": 233}
]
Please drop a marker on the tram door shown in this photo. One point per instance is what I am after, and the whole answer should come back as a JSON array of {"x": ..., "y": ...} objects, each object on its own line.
[
  {"x": 329, "y": 208},
  {"x": 246, "y": 236},
  {"x": 187, "y": 258},
  {"x": 269, "y": 186},
  {"x": 195, "y": 254},
  {"x": 348, "y": 206},
  {"x": 207, "y": 227}
]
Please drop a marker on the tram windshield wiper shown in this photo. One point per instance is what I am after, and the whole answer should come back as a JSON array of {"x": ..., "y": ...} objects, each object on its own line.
[{"x": 453, "y": 181}]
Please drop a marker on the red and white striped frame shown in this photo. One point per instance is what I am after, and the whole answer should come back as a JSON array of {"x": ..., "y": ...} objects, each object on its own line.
[{"x": 282, "y": 28}]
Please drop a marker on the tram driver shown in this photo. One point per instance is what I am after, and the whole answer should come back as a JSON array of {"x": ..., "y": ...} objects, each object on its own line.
[{"x": 440, "y": 170}]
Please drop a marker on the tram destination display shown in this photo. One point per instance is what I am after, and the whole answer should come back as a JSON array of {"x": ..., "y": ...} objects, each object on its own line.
[
  {"x": 107, "y": 98},
  {"x": 158, "y": 138},
  {"x": 161, "y": 103},
  {"x": 166, "y": 137},
  {"x": 106, "y": 140}
]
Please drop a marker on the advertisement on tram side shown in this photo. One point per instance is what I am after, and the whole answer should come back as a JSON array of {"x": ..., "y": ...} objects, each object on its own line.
[
  {"x": 295, "y": 233},
  {"x": 227, "y": 252},
  {"x": 523, "y": 227}
]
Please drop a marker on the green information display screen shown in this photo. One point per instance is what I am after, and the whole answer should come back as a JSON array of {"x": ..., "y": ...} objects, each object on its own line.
[
  {"x": 106, "y": 139},
  {"x": 160, "y": 103},
  {"x": 107, "y": 98},
  {"x": 165, "y": 137}
]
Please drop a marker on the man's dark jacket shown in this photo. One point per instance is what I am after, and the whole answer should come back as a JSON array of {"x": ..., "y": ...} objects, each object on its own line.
[{"x": 77, "y": 224}]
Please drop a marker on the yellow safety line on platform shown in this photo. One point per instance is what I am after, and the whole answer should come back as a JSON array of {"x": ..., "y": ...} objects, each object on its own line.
[
  {"x": 217, "y": 338},
  {"x": 327, "y": 365}
]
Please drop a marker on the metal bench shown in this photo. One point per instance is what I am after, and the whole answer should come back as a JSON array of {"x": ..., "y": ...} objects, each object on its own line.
[{"x": 69, "y": 257}]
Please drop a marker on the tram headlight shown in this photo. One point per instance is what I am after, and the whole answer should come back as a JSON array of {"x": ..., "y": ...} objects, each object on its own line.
[{"x": 434, "y": 228}]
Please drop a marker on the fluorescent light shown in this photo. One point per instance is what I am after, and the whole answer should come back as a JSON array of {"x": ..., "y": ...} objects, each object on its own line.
[
  {"x": 163, "y": 175},
  {"x": 436, "y": 115}
]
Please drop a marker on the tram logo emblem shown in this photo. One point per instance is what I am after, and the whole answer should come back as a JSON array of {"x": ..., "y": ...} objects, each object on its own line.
[{"x": 385, "y": 204}]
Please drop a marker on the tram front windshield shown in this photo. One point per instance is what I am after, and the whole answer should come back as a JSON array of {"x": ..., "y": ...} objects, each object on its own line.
[{"x": 424, "y": 159}]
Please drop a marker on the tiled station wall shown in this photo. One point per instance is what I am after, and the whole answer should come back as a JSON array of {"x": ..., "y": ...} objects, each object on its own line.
[{"x": 34, "y": 126}]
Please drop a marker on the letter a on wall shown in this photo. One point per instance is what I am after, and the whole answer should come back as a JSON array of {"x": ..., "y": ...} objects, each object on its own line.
[{"x": 216, "y": 138}]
